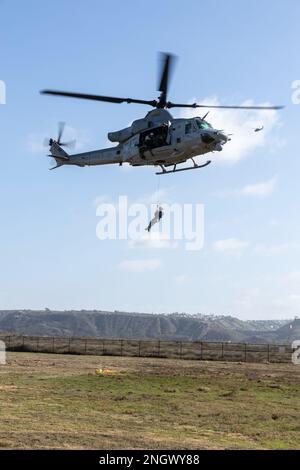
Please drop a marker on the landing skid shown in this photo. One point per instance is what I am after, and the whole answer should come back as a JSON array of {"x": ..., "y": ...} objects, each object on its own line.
[{"x": 175, "y": 170}]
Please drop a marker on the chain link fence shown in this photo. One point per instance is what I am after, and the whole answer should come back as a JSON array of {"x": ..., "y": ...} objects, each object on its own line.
[{"x": 199, "y": 350}]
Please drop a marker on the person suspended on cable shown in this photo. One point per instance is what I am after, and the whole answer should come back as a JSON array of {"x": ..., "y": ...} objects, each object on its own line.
[{"x": 157, "y": 216}]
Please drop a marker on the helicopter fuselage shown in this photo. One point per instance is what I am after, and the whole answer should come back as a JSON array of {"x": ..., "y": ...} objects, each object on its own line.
[{"x": 158, "y": 139}]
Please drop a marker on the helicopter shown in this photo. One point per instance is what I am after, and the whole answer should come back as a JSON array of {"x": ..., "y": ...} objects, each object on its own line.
[{"x": 158, "y": 139}]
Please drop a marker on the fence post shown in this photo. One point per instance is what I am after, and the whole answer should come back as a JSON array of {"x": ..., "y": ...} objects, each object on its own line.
[
  {"x": 201, "y": 350},
  {"x": 69, "y": 345},
  {"x": 103, "y": 346},
  {"x": 85, "y": 345},
  {"x": 139, "y": 349},
  {"x": 222, "y": 350},
  {"x": 158, "y": 348},
  {"x": 121, "y": 344},
  {"x": 245, "y": 352},
  {"x": 23, "y": 342},
  {"x": 180, "y": 349},
  {"x": 268, "y": 352},
  {"x": 53, "y": 340}
]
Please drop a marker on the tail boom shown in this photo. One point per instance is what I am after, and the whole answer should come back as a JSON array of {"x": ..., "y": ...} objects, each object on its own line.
[{"x": 97, "y": 157}]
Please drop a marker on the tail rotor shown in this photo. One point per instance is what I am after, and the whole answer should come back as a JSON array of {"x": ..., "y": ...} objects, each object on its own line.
[
  {"x": 58, "y": 141},
  {"x": 57, "y": 153}
]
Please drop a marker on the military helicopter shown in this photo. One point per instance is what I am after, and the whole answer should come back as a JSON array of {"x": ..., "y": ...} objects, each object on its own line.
[{"x": 158, "y": 139}]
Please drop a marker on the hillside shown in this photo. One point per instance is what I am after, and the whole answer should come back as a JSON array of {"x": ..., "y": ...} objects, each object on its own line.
[{"x": 147, "y": 326}]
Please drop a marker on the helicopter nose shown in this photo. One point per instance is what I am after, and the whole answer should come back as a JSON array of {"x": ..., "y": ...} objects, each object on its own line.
[{"x": 221, "y": 137}]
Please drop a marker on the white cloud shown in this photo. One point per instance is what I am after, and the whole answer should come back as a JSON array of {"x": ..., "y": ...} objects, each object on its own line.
[
  {"x": 140, "y": 265},
  {"x": 236, "y": 246},
  {"x": 230, "y": 245},
  {"x": 261, "y": 189},
  {"x": 289, "y": 304},
  {"x": 152, "y": 240},
  {"x": 240, "y": 123},
  {"x": 121, "y": 205},
  {"x": 274, "y": 222},
  {"x": 246, "y": 298},
  {"x": 290, "y": 279},
  {"x": 294, "y": 276},
  {"x": 101, "y": 200},
  {"x": 266, "y": 305},
  {"x": 181, "y": 279},
  {"x": 294, "y": 298},
  {"x": 275, "y": 248},
  {"x": 156, "y": 197},
  {"x": 265, "y": 188},
  {"x": 35, "y": 144}
]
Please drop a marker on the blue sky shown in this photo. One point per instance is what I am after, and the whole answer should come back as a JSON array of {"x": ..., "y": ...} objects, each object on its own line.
[{"x": 229, "y": 52}]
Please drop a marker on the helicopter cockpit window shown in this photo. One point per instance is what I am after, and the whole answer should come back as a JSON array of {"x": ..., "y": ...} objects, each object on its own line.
[
  {"x": 188, "y": 128},
  {"x": 203, "y": 124}
]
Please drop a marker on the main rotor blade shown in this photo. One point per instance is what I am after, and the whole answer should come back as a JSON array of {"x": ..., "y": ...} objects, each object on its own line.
[
  {"x": 164, "y": 72},
  {"x": 108, "y": 99},
  {"x": 167, "y": 62},
  {"x": 61, "y": 127},
  {"x": 195, "y": 105}
]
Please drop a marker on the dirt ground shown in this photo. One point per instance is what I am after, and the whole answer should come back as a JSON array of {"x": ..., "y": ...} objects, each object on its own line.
[{"x": 57, "y": 401}]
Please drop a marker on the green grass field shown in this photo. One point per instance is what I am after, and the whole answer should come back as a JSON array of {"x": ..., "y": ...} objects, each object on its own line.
[{"x": 57, "y": 401}]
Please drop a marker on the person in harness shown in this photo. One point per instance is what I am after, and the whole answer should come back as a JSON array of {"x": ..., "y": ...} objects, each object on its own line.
[{"x": 157, "y": 216}]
